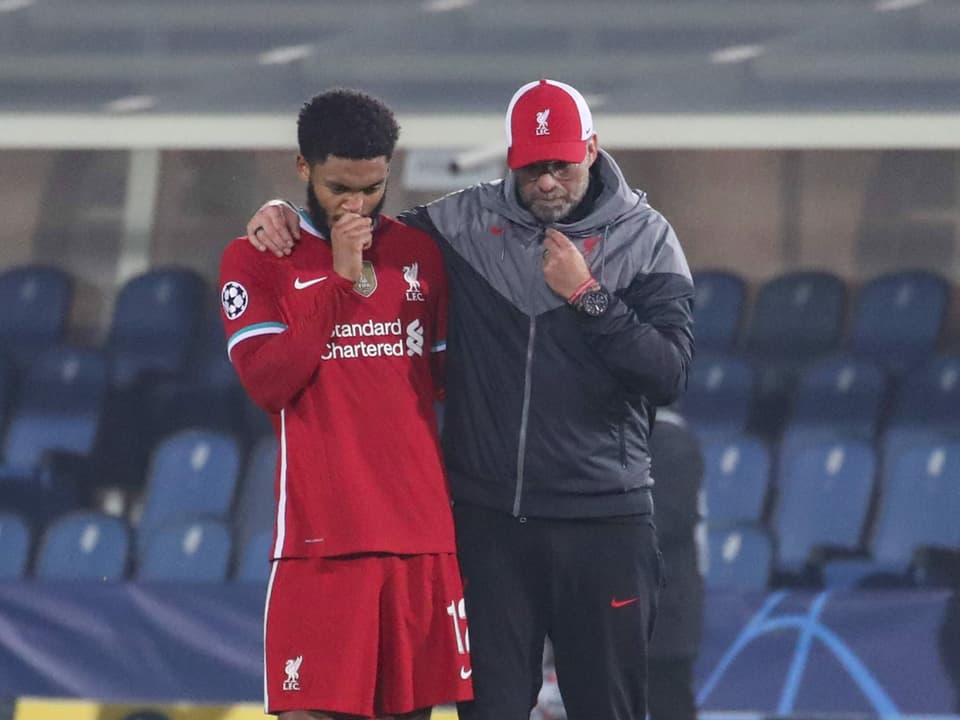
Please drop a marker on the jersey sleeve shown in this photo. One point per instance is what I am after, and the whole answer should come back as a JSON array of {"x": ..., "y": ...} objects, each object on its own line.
[{"x": 274, "y": 356}]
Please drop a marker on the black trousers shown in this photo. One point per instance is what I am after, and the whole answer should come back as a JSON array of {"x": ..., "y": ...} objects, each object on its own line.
[
  {"x": 671, "y": 689},
  {"x": 591, "y": 585}
]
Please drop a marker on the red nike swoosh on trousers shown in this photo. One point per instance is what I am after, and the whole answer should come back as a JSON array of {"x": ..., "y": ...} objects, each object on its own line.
[{"x": 614, "y": 603}]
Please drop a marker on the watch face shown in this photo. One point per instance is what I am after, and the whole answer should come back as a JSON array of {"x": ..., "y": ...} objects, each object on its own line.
[{"x": 595, "y": 303}]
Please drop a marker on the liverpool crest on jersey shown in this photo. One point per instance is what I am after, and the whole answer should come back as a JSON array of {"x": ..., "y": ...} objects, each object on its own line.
[{"x": 367, "y": 283}]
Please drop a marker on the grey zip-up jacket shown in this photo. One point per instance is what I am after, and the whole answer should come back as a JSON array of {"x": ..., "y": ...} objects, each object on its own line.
[{"x": 548, "y": 410}]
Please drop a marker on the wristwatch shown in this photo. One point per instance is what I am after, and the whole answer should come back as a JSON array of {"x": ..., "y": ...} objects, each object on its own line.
[{"x": 594, "y": 302}]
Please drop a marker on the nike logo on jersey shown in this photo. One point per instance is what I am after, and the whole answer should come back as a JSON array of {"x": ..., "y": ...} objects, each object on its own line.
[
  {"x": 300, "y": 285},
  {"x": 614, "y": 603},
  {"x": 465, "y": 673}
]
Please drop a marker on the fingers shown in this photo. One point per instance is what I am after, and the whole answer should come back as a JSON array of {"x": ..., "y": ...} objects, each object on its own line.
[
  {"x": 270, "y": 229},
  {"x": 553, "y": 239},
  {"x": 353, "y": 228}
]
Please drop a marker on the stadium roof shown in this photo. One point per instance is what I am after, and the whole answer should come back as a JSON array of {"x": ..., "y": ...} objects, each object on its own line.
[{"x": 635, "y": 60}]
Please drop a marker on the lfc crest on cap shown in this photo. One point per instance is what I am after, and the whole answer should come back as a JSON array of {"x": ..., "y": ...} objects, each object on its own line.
[{"x": 366, "y": 285}]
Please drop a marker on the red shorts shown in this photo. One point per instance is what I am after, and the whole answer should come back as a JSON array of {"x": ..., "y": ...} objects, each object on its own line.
[{"x": 366, "y": 635}]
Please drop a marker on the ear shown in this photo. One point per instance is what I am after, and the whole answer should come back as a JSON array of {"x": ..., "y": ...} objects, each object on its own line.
[
  {"x": 593, "y": 149},
  {"x": 303, "y": 168}
]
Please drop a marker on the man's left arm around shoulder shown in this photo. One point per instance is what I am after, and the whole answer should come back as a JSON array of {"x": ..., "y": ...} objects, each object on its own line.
[{"x": 646, "y": 335}]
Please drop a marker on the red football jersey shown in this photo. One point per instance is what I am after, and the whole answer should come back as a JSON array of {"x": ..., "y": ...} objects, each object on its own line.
[{"x": 349, "y": 373}]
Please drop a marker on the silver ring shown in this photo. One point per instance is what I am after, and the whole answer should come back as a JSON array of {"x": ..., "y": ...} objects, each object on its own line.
[
  {"x": 257, "y": 229},
  {"x": 546, "y": 251}
]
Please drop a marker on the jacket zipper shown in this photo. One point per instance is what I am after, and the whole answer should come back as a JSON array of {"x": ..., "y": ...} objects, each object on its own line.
[
  {"x": 524, "y": 415},
  {"x": 525, "y": 410}
]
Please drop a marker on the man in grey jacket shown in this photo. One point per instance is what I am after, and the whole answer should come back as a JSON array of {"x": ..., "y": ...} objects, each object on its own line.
[{"x": 570, "y": 321}]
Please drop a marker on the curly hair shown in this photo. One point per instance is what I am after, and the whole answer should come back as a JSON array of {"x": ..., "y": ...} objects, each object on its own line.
[{"x": 346, "y": 123}]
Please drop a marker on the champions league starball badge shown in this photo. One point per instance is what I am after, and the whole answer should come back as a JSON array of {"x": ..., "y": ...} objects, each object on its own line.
[{"x": 234, "y": 299}]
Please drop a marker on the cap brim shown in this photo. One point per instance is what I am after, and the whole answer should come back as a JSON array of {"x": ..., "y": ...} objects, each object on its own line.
[{"x": 573, "y": 152}]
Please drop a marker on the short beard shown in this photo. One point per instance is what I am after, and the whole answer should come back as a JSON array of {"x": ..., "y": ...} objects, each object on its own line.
[
  {"x": 548, "y": 215},
  {"x": 319, "y": 218}
]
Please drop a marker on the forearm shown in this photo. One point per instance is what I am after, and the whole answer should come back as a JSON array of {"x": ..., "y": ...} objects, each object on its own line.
[{"x": 275, "y": 368}]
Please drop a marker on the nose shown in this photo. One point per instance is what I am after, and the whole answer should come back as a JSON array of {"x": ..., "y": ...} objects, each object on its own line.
[
  {"x": 546, "y": 182},
  {"x": 353, "y": 203}
]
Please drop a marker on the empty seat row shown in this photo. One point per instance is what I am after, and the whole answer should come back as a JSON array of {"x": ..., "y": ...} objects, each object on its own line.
[
  {"x": 895, "y": 318},
  {"x": 156, "y": 320},
  {"x": 90, "y": 545},
  {"x": 834, "y": 507},
  {"x": 191, "y": 473},
  {"x": 840, "y": 394}
]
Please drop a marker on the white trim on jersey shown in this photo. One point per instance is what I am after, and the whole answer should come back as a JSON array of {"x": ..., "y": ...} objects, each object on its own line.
[
  {"x": 264, "y": 328},
  {"x": 282, "y": 501},
  {"x": 439, "y": 346},
  {"x": 266, "y": 614}
]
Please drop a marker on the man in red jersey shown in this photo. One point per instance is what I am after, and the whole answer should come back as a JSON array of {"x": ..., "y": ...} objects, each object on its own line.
[{"x": 341, "y": 344}]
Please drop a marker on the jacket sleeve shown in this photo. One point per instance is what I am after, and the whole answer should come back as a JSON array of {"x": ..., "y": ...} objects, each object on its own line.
[
  {"x": 419, "y": 218},
  {"x": 274, "y": 358},
  {"x": 646, "y": 337}
]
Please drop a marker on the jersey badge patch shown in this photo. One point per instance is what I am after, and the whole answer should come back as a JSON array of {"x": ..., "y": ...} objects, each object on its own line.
[
  {"x": 367, "y": 284},
  {"x": 234, "y": 298}
]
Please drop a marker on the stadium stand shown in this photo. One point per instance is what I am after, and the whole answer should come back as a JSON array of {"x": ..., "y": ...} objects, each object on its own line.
[
  {"x": 797, "y": 315},
  {"x": 736, "y": 480},
  {"x": 254, "y": 511},
  {"x": 918, "y": 507},
  {"x": 36, "y": 302},
  {"x": 193, "y": 472},
  {"x": 187, "y": 550},
  {"x": 719, "y": 309},
  {"x": 928, "y": 397},
  {"x": 898, "y": 318},
  {"x": 14, "y": 546},
  {"x": 84, "y": 545},
  {"x": 741, "y": 558},
  {"x": 253, "y": 560},
  {"x": 841, "y": 395},
  {"x": 823, "y": 502},
  {"x": 719, "y": 397},
  {"x": 206, "y": 393},
  {"x": 57, "y": 414},
  {"x": 155, "y": 320}
]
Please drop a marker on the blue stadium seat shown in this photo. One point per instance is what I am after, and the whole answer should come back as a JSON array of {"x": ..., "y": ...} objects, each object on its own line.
[
  {"x": 718, "y": 309},
  {"x": 59, "y": 406},
  {"x": 736, "y": 480},
  {"x": 8, "y": 388},
  {"x": 823, "y": 501},
  {"x": 155, "y": 321},
  {"x": 253, "y": 564},
  {"x": 840, "y": 396},
  {"x": 928, "y": 398},
  {"x": 719, "y": 395},
  {"x": 193, "y": 472},
  {"x": 797, "y": 316},
  {"x": 919, "y": 506},
  {"x": 897, "y": 318},
  {"x": 256, "y": 502},
  {"x": 740, "y": 558},
  {"x": 14, "y": 546},
  {"x": 207, "y": 393},
  {"x": 59, "y": 409},
  {"x": 84, "y": 545},
  {"x": 36, "y": 303},
  {"x": 192, "y": 550}
]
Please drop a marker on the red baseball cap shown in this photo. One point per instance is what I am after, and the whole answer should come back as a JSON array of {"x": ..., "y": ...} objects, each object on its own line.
[{"x": 547, "y": 120}]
